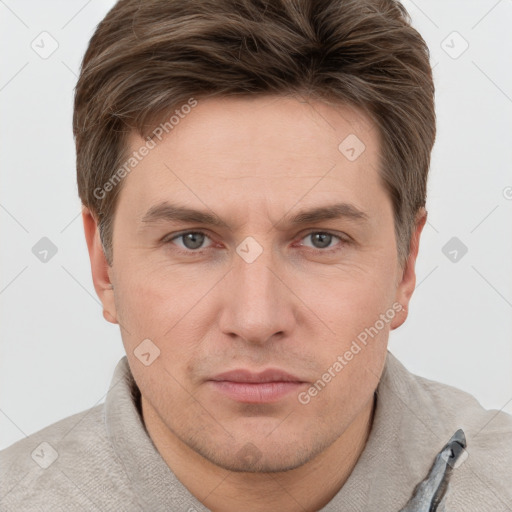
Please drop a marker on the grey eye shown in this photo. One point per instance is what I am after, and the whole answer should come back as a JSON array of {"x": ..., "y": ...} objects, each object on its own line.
[
  {"x": 192, "y": 240},
  {"x": 320, "y": 240}
]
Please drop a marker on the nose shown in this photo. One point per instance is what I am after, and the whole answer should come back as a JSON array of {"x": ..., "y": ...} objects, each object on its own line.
[{"x": 258, "y": 306}]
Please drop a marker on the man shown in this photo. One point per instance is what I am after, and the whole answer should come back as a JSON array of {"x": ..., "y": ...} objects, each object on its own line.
[{"x": 253, "y": 176}]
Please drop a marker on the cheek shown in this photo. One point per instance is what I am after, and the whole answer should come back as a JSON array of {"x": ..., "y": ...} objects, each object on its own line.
[
  {"x": 351, "y": 360},
  {"x": 142, "y": 289},
  {"x": 141, "y": 305},
  {"x": 165, "y": 306},
  {"x": 353, "y": 303},
  {"x": 358, "y": 312},
  {"x": 145, "y": 311}
]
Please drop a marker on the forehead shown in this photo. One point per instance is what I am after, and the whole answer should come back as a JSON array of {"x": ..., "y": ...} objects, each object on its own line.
[
  {"x": 249, "y": 150},
  {"x": 246, "y": 123}
]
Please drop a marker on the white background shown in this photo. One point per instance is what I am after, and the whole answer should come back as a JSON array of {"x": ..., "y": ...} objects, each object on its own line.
[{"x": 57, "y": 354}]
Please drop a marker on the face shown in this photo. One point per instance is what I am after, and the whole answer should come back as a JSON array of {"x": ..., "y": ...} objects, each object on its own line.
[{"x": 254, "y": 252}]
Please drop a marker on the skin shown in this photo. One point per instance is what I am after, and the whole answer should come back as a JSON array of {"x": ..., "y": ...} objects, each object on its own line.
[{"x": 255, "y": 162}]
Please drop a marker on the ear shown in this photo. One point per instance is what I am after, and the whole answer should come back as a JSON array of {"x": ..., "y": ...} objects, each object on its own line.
[
  {"x": 407, "y": 282},
  {"x": 99, "y": 267}
]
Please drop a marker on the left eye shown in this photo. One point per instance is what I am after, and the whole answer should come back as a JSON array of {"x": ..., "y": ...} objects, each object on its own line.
[
  {"x": 191, "y": 240},
  {"x": 321, "y": 239}
]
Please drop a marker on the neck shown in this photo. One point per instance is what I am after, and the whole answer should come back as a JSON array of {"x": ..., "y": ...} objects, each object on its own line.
[{"x": 308, "y": 488}]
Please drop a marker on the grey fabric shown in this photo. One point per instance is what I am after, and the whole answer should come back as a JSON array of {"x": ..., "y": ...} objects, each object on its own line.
[{"x": 107, "y": 462}]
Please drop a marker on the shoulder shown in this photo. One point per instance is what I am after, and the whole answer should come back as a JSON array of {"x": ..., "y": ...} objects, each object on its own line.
[
  {"x": 54, "y": 466},
  {"x": 481, "y": 480},
  {"x": 487, "y": 426}
]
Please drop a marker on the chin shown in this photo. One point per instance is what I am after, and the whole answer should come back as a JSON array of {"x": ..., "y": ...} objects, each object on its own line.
[{"x": 261, "y": 456}]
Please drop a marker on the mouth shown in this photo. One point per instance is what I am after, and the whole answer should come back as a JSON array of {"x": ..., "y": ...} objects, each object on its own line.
[{"x": 244, "y": 386}]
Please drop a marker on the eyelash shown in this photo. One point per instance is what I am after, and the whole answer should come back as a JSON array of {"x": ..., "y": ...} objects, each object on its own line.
[{"x": 191, "y": 252}]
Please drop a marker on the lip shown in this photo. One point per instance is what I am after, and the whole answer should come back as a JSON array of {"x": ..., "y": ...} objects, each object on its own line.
[
  {"x": 268, "y": 375},
  {"x": 270, "y": 385}
]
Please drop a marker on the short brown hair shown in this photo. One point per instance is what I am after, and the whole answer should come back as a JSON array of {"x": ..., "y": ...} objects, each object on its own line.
[{"x": 149, "y": 56}]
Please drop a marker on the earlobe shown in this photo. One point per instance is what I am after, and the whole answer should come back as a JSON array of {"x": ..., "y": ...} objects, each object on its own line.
[
  {"x": 407, "y": 282},
  {"x": 99, "y": 267}
]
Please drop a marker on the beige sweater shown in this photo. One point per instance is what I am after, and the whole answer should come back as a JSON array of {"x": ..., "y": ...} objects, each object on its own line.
[{"x": 103, "y": 460}]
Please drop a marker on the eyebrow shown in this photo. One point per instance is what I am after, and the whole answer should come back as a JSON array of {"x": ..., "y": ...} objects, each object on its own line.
[{"x": 167, "y": 212}]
